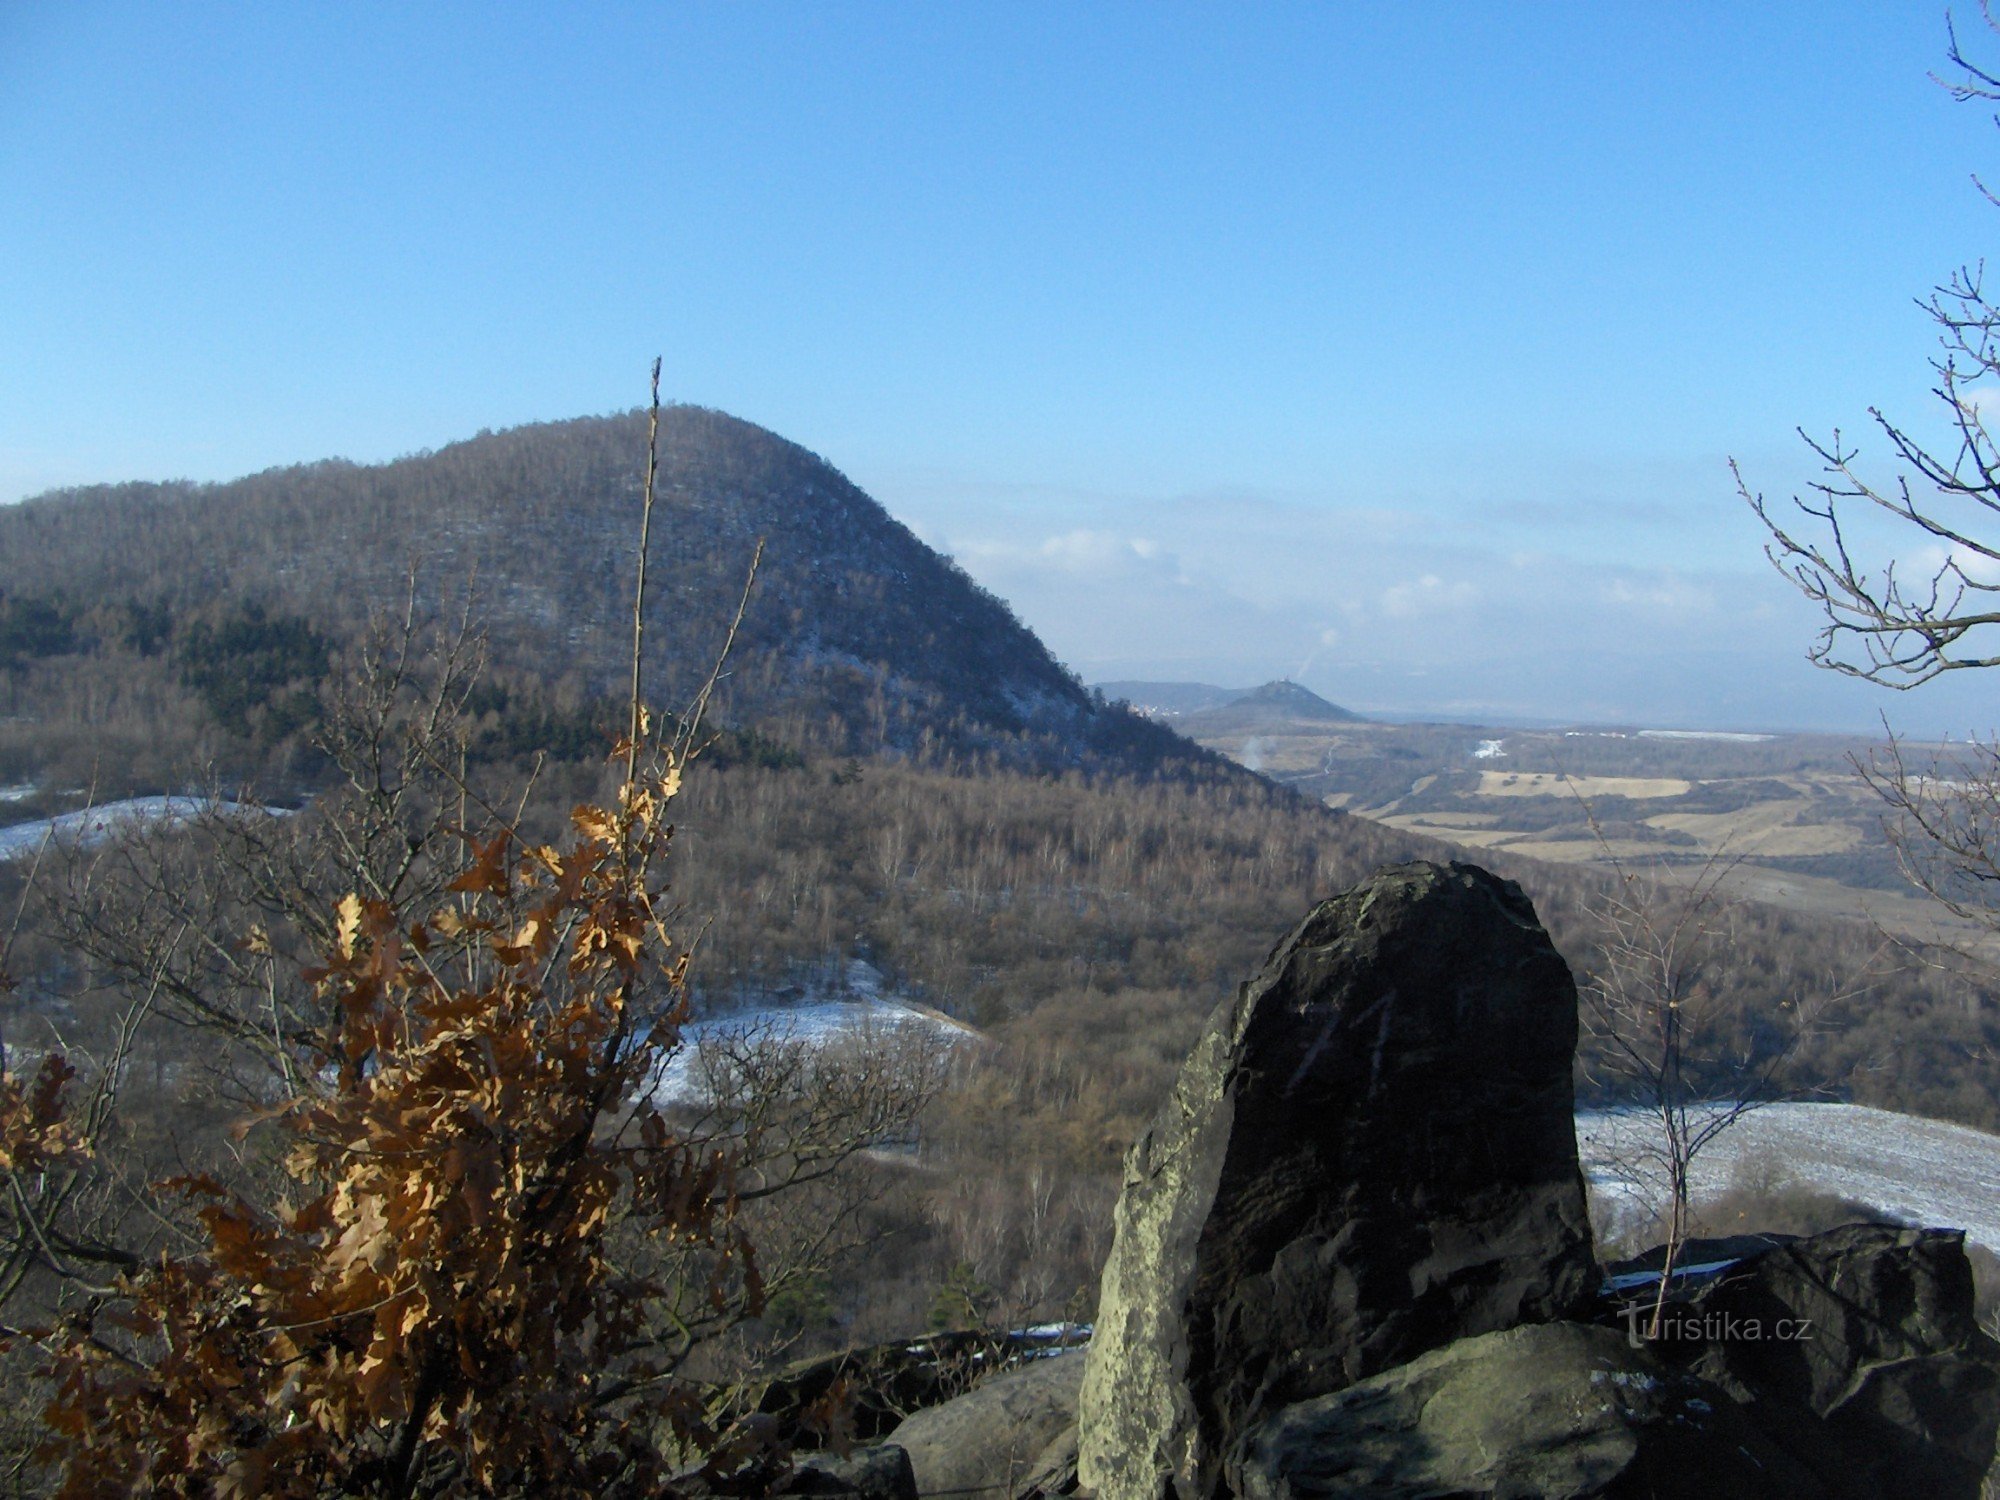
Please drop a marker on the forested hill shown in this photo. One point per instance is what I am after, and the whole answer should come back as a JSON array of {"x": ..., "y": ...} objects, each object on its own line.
[{"x": 858, "y": 637}]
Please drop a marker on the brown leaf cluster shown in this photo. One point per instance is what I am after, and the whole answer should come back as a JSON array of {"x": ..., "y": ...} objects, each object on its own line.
[
  {"x": 35, "y": 1130},
  {"x": 436, "y": 1305}
]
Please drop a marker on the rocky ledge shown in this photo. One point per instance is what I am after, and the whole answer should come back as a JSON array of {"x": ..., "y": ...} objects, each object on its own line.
[{"x": 1351, "y": 1258}]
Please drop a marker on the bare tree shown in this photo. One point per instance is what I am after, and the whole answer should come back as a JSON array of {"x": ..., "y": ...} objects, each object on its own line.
[
  {"x": 1890, "y": 624},
  {"x": 1652, "y": 1006},
  {"x": 1931, "y": 606},
  {"x": 1660, "y": 1011}
]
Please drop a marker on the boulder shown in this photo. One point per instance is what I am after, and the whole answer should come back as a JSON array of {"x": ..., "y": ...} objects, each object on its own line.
[
  {"x": 1053, "y": 1473},
  {"x": 1809, "y": 1319},
  {"x": 1858, "y": 1350},
  {"x": 863, "y": 1392},
  {"x": 1369, "y": 1154},
  {"x": 877, "y": 1472},
  {"x": 1559, "y": 1411},
  {"x": 1000, "y": 1438},
  {"x": 880, "y": 1472}
]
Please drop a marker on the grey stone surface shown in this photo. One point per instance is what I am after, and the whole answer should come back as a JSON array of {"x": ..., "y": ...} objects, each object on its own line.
[
  {"x": 877, "y": 1385},
  {"x": 1557, "y": 1411},
  {"x": 1053, "y": 1473},
  {"x": 1857, "y": 1350},
  {"x": 989, "y": 1443},
  {"x": 1369, "y": 1154},
  {"x": 1863, "y": 1294},
  {"x": 879, "y": 1472}
]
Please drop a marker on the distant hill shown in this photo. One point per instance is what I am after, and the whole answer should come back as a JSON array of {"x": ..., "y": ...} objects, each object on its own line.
[
  {"x": 858, "y": 637},
  {"x": 1169, "y": 700},
  {"x": 1274, "y": 703},
  {"x": 1280, "y": 701}
]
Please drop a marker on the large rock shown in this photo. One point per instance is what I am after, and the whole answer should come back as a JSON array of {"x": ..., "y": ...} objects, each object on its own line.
[
  {"x": 1558, "y": 1412},
  {"x": 881, "y": 1472},
  {"x": 1807, "y": 1320},
  {"x": 1370, "y": 1154},
  {"x": 864, "y": 1392},
  {"x": 996, "y": 1440},
  {"x": 1858, "y": 1350}
]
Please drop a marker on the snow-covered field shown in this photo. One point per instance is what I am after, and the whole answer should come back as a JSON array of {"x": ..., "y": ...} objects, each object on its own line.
[
  {"x": 1905, "y": 1168},
  {"x": 1727, "y": 736},
  {"x": 93, "y": 824},
  {"x": 855, "y": 1011},
  {"x": 1898, "y": 1166}
]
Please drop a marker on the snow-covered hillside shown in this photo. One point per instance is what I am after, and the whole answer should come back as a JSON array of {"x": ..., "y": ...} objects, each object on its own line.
[
  {"x": 91, "y": 824},
  {"x": 853, "y": 1012},
  {"x": 1905, "y": 1168}
]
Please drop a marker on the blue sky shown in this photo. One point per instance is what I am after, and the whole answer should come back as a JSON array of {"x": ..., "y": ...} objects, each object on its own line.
[{"x": 1397, "y": 348}]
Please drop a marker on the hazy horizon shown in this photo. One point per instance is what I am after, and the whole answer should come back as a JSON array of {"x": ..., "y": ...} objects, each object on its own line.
[
  {"x": 1399, "y": 353},
  {"x": 1088, "y": 593}
]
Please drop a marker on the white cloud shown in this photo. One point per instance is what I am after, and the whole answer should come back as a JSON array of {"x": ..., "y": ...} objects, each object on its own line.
[
  {"x": 1976, "y": 566},
  {"x": 1085, "y": 552},
  {"x": 1983, "y": 401},
  {"x": 1917, "y": 564},
  {"x": 1658, "y": 593},
  {"x": 1426, "y": 595},
  {"x": 1392, "y": 611}
]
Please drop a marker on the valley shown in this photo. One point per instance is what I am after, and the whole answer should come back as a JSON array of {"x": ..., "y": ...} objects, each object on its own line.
[
  {"x": 644, "y": 852},
  {"x": 912, "y": 849},
  {"x": 1784, "y": 818}
]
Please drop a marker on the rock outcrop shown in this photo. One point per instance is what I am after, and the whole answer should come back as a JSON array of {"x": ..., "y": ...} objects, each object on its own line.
[
  {"x": 880, "y": 1472},
  {"x": 1858, "y": 1351},
  {"x": 1369, "y": 1155},
  {"x": 1352, "y": 1260},
  {"x": 994, "y": 1442},
  {"x": 1845, "y": 1366},
  {"x": 874, "y": 1387},
  {"x": 1558, "y": 1411}
]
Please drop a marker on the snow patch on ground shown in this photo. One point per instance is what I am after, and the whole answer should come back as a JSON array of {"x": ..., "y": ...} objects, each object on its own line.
[
  {"x": 1705, "y": 734},
  {"x": 92, "y": 825},
  {"x": 1920, "y": 1171},
  {"x": 852, "y": 1011}
]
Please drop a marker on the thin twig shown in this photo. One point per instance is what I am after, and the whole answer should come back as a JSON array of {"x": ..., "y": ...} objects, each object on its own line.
[{"x": 639, "y": 593}]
